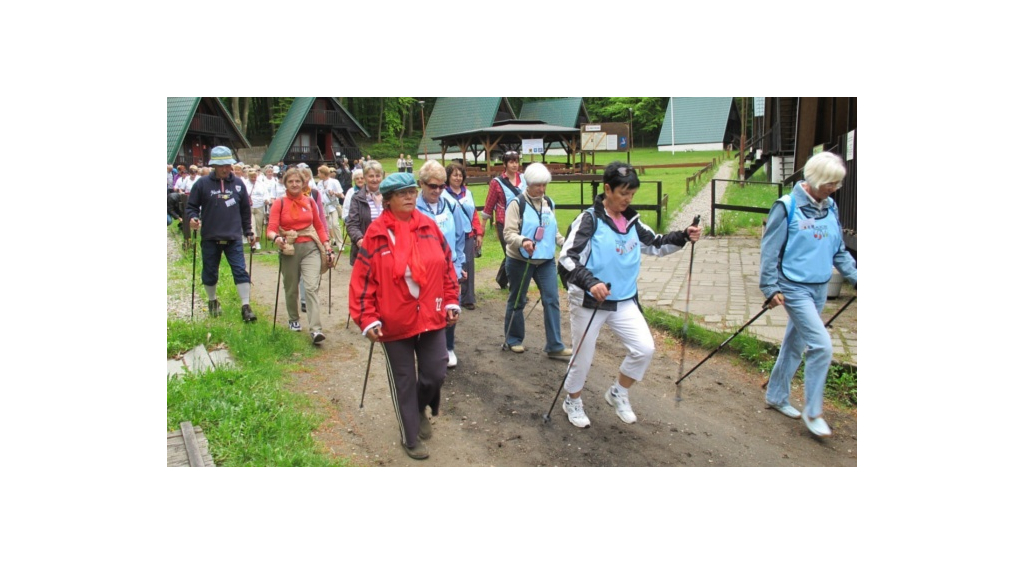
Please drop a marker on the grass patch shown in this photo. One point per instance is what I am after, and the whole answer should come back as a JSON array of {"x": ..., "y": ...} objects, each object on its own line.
[
  {"x": 246, "y": 413},
  {"x": 750, "y": 195},
  {"x": 840, "y": 385}
]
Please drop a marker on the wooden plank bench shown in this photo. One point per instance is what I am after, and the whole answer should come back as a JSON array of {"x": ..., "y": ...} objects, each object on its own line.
[{"x": 188, "y": 447}]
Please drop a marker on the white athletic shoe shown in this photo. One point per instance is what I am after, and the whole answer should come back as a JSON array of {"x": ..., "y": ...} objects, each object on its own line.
[
  {"x": 621, "y": 405},
  {"x": 257, "y": 245},
  {"x": 574, "y": 409},
  {"x": 817, "y": 425},
  {"x": 452, "y": 361}
]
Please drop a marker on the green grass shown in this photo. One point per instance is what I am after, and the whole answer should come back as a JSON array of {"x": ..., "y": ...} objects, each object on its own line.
[
  {"x": 246, "y": 412},
  {"x": 751, "y": 195},
  {"x": 673, "y": 185},
  {"x": 840, "y": 385}
]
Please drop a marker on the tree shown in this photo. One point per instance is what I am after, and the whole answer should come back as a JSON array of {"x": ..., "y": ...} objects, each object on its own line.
[{"x": 242, "y": 121}]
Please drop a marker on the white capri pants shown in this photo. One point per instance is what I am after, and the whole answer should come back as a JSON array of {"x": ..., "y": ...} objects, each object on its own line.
[{"x": 627, "y": 323}]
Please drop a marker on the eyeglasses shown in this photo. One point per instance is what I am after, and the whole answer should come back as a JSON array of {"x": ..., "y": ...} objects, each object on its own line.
[
  {"x": 625, "y": 170},
  {"x": 434, "y": 186},
  {"x": 406, "y": 193},
  {"x": 511, "y": 153}
]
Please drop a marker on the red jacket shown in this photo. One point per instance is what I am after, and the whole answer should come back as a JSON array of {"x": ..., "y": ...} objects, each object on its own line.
[{"x": 374, "y": 294}]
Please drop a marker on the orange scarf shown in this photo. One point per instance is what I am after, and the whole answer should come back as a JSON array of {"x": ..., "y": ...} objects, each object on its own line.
[{"x": 295, "y": 204}]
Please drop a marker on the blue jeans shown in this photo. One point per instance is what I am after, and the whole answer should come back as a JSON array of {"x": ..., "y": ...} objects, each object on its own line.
[
  {"x": 544, "y": 274},
  {"x": 211, "y": 261},
  {"x": 804, "y": 331}
]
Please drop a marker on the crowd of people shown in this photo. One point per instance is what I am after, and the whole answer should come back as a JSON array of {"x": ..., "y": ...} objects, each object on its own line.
[{"x": 412, "y": 250}]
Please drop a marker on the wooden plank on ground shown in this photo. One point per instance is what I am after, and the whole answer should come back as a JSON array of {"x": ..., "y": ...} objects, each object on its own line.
[{"x": 195, "y": 457}]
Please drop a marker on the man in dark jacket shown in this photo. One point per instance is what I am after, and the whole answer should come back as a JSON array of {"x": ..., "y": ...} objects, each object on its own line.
[{"x": 219, "y": 204}]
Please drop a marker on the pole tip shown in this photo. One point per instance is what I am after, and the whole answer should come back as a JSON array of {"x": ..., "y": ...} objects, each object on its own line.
[{"x": 547, "y": 418}]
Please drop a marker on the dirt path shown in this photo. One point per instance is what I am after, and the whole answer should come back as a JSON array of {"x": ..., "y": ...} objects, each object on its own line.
[{"x": 494, "y": 401}]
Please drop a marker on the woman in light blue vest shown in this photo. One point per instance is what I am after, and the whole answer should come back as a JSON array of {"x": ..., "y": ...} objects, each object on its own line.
[
  {"x": 435, "y": 203},
  {"x": 802, "y": 241},
  {"x": 531, "y": 233},
  {"x": 602, "y": 257}
]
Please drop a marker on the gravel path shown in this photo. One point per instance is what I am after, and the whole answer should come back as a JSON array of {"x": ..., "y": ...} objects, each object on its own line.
[{"x": 701, "y": 203}]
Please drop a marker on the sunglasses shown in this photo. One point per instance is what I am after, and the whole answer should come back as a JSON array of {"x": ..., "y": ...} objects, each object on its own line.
[
  {"x": 624, "y": 170},
  {"x": 434, "y": 186}
]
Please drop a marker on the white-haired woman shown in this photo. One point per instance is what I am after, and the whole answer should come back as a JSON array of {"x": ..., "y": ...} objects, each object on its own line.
[
  {"x": 803, "y": 240},
  {"x": 531, "y": 234}
]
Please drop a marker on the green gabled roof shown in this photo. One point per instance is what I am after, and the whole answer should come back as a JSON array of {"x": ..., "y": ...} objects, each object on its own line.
[
  {"x": 179, "y": 116},
  {"x": 564, "y": 112},
  {"x": 289, "y": 128},
  {"x": 452, "y": 115},
  {"x": 697, "y": 120}
]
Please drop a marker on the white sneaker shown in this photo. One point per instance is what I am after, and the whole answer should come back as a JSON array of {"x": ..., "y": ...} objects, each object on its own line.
[
  {"x": 452, "y": 361},
  {"x": 621, "y": 405},
  {"x": 574, "y": 409},
  {"x": 817, "y": 425},
  {"x": 257, "y": 245},
  {"x": 786, "y": 409}
]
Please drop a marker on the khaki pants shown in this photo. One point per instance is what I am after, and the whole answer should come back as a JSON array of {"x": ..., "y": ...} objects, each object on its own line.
[
  {"x": 305, "y": 263},
  {"x": 334, "y": 228},
  {"x": 257, "y": 221}
]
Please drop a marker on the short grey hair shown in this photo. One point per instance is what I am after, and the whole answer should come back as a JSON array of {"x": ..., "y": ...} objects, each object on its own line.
[
  {"x": 372, "y": 165},
  {"x": 537, "y": 173},
  {"x": 824, "y": 168}
]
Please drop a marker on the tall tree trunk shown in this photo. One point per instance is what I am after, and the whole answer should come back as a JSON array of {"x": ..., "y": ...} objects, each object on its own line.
[
  {"x": 245, "y": 115},
  {"x": 234, "y": 113},
  {"x": 271, "y": 102},
  {"x": 380, "y": 121}
]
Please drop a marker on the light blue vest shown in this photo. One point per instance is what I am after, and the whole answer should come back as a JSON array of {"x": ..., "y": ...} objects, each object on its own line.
[
  {"x": 468, "y": 207},
  {"x": 509, "y": 194},
  {"x": 530, "y": 220},
  {"x": 445, "y": 220},
  {"x": 615, "y": 258},
  {"x": 811, "y": 244}
]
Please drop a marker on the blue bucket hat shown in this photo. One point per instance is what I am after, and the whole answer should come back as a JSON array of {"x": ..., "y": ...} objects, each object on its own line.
[
  {"x": 398, "y": 181},
  {"x": 221, "y": 155}
]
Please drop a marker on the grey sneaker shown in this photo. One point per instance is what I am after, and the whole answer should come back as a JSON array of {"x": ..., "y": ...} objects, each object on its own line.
[
  {"x": 574, "y": 409},
  {"x": 621, "y": 405},
  {"x": 817, "y": 425},
  {"x": 294, "y": 326},
  {"x": 419, "y": 452},
  {"x": 426, "y": 430},
  {"x": 317, "y": 337}
]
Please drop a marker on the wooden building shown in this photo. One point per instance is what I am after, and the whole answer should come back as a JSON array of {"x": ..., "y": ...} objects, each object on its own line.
[
  {"x": 788, "y": 131},
  {"x": 196, "y": 125},
  {"x": 455, "y": 115},
  {"x": 316, "y": 131},
  {"x": 699, "y": 124}
]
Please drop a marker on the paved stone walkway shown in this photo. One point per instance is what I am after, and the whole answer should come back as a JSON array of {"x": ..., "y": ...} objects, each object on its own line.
[{"x": 724, "y": 293}]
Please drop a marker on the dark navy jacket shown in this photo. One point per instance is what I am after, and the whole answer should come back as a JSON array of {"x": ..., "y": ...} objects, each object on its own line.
[{"x": 222, "y": 206}]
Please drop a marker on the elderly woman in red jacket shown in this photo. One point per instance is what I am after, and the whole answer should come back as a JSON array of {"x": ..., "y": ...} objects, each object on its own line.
[{"x": 403, "y": 293}]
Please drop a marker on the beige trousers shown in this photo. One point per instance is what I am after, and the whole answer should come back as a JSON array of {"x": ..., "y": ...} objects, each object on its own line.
[
  {"x": 305, "y": 263},
  {"x": 334, "y": 228}
]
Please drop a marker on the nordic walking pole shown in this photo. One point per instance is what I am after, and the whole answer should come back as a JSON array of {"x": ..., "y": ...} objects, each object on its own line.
[
  {"x": 504, "y": 342},
  {"x": 330, "y": 286},
  {"x": 277, "y": 294},
  {"x": 828, "y": 324},
  {"x": 764, "y": 308},
  {"x": 367, "y": 377},
  {"x": 251, "y": 247},
  {"x": 686, "y": 323},
  {"x": 572, "y": 359},
  {"x": 193, "y": 274}
]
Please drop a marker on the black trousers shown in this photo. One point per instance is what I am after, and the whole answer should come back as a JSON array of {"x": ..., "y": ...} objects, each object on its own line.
[{"x": 413, "y": 387}]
